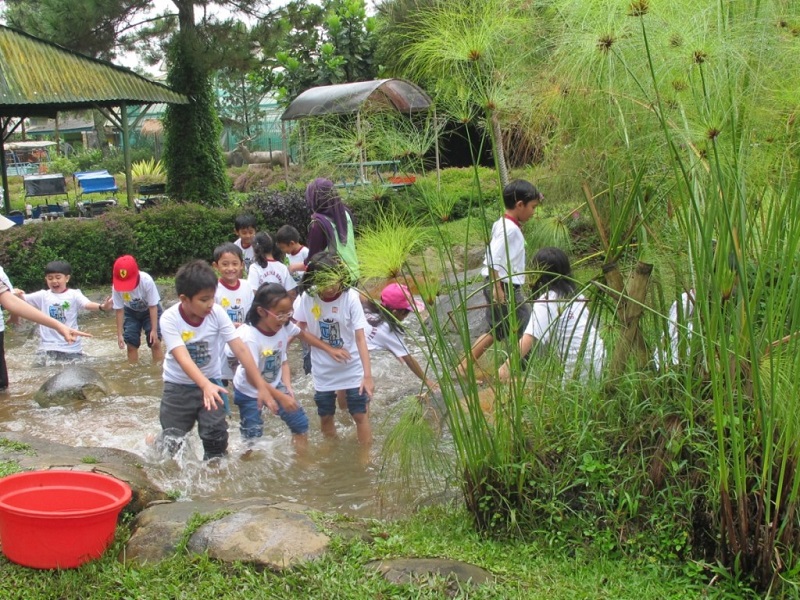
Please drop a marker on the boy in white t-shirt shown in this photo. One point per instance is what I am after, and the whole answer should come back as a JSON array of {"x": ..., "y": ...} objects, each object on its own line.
[
  {"x": 287, "y": 238},
  {"x": 245, "y": 228},
  {"x": 62, "y": 304},
  {"x": 234, "y": 295},
  {"x": 137, "y": 303},
  {"x": 504, "y": 269},
  {"x": 194, "y": 331}
]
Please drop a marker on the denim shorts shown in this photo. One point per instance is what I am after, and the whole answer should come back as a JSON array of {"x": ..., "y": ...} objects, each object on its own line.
[
  {"x": 251, "y": 425},
  {"x": 326, "y": 402},
  {"x": 135, "y": 322}
]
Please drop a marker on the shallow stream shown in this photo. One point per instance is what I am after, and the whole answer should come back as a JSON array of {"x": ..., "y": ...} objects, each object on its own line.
[{"x": 334, "y": 475}]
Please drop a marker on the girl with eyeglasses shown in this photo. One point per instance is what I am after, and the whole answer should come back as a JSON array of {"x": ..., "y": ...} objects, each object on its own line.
[{"x": 267, "y": 331}]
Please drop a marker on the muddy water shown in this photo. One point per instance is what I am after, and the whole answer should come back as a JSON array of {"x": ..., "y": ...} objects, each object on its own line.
[{"x": 333, "y": 475}]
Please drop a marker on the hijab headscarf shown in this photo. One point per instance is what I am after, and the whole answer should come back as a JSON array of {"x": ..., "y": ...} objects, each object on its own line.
[{"x": 322, "y": 199}]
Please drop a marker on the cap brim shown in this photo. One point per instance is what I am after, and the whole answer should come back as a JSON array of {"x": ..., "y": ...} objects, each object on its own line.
[
  {"x": 124, "y": 286},
  {"x": 6, "y": 223}
]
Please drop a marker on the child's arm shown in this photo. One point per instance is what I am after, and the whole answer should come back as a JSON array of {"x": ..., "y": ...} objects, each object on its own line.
[
  {"x": 286, "y": 379},
  {"x": 499, "y": 290},
  {"x": 416, "y": 369},
  {"x": 153, "y": 324},
  {"x": 266, "y": 393},
  {"x": 211, "y": 391},
  {"x": 367, "y": 384},
  {"x": 337, "y": 354},
  {"x": 120, "y": 324},
  {"x": 19, "y": 307},
  {"x": 525, "y": 345}
]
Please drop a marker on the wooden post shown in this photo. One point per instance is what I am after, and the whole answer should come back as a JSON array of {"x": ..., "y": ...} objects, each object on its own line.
[
  {"x": 629, "y": 312},
  {"x": 126, "y": 151}
]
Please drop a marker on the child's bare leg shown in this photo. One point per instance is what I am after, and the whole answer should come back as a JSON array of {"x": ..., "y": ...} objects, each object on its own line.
[
  {"x": 157, "y": 351},
  {"x": 363, "y": 428},
  {"x": 133, "y": 354},
  {"x": 300, "y": 441},
  {"x": 479, "y": 347},
  {"x": 328, "y": 426},
  {"x": 341, "y": 399}
]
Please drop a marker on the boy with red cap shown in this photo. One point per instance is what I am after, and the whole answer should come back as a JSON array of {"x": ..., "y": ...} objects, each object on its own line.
[{"x": 138, "y": 306}]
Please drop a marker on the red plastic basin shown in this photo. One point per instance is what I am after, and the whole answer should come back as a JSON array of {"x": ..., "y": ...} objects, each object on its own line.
[{"x": 59, "y": 519}]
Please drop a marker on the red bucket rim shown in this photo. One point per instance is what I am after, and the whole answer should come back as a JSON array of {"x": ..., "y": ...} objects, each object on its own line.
[{"x": 119, "y": 501}]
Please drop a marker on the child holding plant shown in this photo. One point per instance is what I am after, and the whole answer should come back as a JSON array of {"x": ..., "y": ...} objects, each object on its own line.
[
  {"x": 331, "y": 312},
  {"x": 504, "y": 268},
  {"x": 560, "y": 320}
]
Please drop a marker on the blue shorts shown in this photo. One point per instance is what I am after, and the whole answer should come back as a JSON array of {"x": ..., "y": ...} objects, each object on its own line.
[
  {"x": 135, "y": 322},
  {"x": 326, "y": 402}
]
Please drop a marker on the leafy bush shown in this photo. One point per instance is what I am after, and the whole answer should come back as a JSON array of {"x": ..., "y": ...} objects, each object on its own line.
[
  {"x": 162, "y": 238},
  {"x": 63, "y": 165},
  {"x": 274, "y": 209},
  {"x": 88, "y": 160}
]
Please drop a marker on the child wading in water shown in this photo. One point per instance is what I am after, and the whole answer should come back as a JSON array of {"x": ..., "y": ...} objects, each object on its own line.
[
  {"x": 332, "y": 312},
  {"x": 560, "y": 320},
  {"x": 385, "y": 331},
  {"x": 267, "y": 335}
]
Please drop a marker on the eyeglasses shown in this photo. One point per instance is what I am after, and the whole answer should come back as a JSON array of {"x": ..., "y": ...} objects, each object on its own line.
[{"x": 285, "y": 316}]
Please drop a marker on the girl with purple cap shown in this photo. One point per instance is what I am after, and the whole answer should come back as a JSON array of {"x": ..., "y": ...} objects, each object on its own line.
[
  {"x": 386, "y": 332},
  {"x": 331, "y": 224}
]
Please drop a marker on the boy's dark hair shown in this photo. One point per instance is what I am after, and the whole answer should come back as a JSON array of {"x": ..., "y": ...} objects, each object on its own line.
[
  {"x": 245, "y": 221},
  {"x": 323, "y": 269},
  {"x": 228, "y": 248},
  {"x": 376, "y": 313},
  {"x": 286, "y": 235},
  {"x": 520, "y": 190},
  {"x": 556, "y": 272},
  {"x": 58, "y": 266},
  {"x": 266, "y": 297},
  {"x": 195, "y": 277}
]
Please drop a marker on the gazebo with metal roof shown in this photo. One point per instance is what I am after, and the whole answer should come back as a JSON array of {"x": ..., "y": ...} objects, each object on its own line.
[
  {"x": 350, "y": 98},
  {"x": 40, "y": 78}
]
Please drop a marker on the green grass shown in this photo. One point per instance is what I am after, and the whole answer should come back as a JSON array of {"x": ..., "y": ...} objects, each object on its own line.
[{"x": 529, "y": 569}]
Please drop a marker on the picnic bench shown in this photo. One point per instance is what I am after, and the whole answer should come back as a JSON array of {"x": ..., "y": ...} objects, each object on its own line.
[
  {"x": 46, "y": 186},
  {"x": 385, "y": 173},
  {"x": 95, "y": 182}
]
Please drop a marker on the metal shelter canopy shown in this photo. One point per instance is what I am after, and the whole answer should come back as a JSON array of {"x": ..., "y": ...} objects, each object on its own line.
[
  {"x": 346, "y": 98},
  {"x": 40, "y": 78}
]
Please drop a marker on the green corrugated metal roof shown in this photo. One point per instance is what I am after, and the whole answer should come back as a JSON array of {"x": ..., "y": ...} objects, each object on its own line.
[{"x": 36, "y": 75}]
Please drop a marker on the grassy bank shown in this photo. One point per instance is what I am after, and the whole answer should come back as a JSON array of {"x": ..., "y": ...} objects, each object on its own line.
[{"x": 522, "y": 569}]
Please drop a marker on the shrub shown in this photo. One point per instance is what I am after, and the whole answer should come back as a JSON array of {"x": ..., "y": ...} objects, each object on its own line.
[
  {"x": 63, "y": 165},
  {"x": 274, "y": 209},
  {"x": 162, "y": 238}
]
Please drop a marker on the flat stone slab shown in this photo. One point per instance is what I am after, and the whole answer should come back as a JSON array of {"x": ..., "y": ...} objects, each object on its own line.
[
  {"x": 403, "y": 571},
  {"x": 271, "y": 535},
  {"x": 268, "y": 536}
]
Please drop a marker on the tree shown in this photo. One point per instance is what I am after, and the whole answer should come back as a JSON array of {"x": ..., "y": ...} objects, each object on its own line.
[
  {"x": 192, "y": 154},
  {"x": 305, "y": 45}
]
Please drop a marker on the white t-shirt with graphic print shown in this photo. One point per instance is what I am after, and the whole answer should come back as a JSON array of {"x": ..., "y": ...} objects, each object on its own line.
[
  {"x": 335, "y": 323},
  {"x": 506, "y": 251},
  {"x": 62, "y": 307},
  {"x": 269, "y": 353},
  {"x": 274, "y": 272},
  {"x": 203, "y": 340},
  {"x": 140, "y": 298},
  {"x": 236, "y": 301}
]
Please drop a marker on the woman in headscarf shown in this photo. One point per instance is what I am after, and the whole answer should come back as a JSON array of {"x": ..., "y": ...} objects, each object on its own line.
[{"x": 331, "y": 224}]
